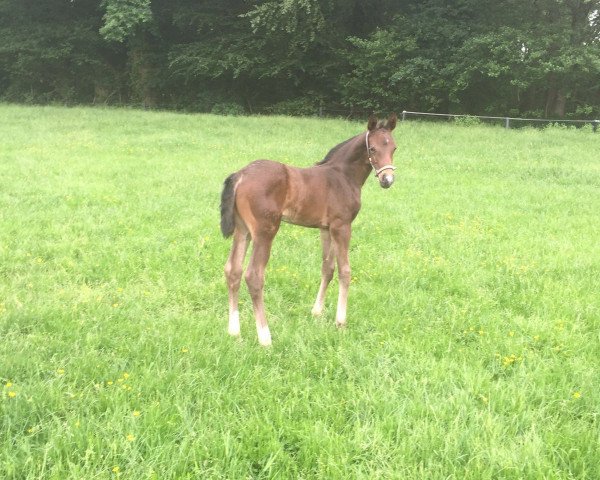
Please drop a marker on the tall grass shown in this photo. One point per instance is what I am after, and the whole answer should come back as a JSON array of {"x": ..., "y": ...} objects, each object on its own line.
[{"x": 472, "y": 349}]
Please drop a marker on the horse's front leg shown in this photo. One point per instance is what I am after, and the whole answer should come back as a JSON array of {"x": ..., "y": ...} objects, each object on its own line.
[
  {"x": 340, "y": 234},
  {"x": 327, "y": 269},
  {"x": 255, "y": 279}
]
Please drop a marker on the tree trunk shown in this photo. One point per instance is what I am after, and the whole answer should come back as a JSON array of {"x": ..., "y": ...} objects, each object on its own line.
[
  {"x": 142, "y": 71},
  {"x": 556, "y": 102}
]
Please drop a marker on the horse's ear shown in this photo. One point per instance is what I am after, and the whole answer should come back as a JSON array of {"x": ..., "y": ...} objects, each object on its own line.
[
  {"x": 391, "y": 122},
  {"x": 372, "y": 125}
]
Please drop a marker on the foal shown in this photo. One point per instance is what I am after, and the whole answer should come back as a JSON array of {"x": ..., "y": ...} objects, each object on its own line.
[{"x": 258, "y": 197}]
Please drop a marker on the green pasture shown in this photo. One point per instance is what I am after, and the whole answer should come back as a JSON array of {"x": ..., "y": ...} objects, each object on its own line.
[{"x": 473, "y": 342}]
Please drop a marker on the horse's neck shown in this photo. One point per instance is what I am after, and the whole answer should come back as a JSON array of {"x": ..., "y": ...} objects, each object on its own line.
[{"x": 352, "y": 160}]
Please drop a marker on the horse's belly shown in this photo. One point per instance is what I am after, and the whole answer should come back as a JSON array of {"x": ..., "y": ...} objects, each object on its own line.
[
  {"x": 305, "y": 203},
  {"x": 295, "y": 218}
]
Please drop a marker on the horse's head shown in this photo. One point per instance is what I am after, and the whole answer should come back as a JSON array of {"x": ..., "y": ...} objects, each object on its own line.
[{"x": 381, "y": 147}]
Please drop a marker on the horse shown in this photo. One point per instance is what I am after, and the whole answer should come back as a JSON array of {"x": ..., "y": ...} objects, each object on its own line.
[{"x": 257, "y": 198}]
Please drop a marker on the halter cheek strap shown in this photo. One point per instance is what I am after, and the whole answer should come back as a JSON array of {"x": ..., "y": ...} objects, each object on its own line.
[{"x": 377, "y": 170}]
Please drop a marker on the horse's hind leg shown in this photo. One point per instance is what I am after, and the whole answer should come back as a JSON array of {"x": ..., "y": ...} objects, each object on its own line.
[
  {"x": 233, "y": 275},
  {"x": 327, "y": 269},
  {"x": 255, "y": 279}
]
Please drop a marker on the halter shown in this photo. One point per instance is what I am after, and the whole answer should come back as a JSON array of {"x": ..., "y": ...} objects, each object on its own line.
[{"x": 377, "y": 171}]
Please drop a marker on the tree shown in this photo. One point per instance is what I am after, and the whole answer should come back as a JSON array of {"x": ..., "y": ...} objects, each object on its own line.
[
  {"x": 533, "y": 57},
  {"x": 49, "y": 50}
]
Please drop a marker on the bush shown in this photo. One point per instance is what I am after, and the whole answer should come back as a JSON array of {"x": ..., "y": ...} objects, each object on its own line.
[
  {"x": 467, "y": 121},
  {"x": 297, "y": 107},
  {"x": 228, "y": 108}
]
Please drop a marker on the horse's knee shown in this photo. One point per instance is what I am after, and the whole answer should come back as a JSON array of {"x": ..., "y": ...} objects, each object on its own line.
[
  {"x": 344, "y": 274},
  {"x": 232, "y": 275},
  {"x": 255, "y": 282},
  {"x": 327, "y": 272}
]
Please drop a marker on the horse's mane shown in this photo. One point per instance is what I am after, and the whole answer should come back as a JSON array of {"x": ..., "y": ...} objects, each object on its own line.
[
  {"x": 380, "y": 124},
  {"x": 332, "y": 152}
]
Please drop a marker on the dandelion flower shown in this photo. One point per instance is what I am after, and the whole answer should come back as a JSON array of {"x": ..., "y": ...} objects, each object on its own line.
[
  {"x": 576, "y": 395},
  {"x": 8, "y": 384},
  {"x": 116, "y": 469},
  {"x": 136, "y": 413},
  {"x": 12, "y": 394},
  {"x": 130, "y": 437}
]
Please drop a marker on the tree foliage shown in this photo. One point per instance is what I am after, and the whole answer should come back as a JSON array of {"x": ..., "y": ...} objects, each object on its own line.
[{"x": 534, "y": 57}]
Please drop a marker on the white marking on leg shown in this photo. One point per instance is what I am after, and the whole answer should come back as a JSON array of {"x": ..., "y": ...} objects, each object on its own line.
[
  {"x": 340, "y": 317},
  {"x": 234, "y": 323},
  {"x": 317, "y": 309},
  {"x": 264, "y": 335}
]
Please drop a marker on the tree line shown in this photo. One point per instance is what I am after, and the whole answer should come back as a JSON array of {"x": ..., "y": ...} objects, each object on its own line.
[{"x": 535, "y": 58}]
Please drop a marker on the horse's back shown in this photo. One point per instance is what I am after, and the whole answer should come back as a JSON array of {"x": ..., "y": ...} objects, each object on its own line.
[
  {"x": 263, "y": 176},
  {"x": 270, "y": 189}
]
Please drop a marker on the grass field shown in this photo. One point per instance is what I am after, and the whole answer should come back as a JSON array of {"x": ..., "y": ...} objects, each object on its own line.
[{"x": 472, "y": 349}]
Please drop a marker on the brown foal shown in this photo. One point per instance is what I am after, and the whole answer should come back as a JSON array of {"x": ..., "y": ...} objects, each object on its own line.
[{"x": 258, "y": 197}]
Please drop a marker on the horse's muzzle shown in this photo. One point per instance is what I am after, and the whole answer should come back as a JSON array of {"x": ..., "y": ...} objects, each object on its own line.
[{"x": 386, "y": 180}]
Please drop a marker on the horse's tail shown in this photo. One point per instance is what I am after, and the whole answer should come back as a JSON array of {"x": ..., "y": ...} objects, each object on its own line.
[{"x": 227, "y": 205}]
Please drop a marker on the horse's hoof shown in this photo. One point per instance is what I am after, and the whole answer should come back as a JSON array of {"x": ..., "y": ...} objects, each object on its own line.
[
  {"x": 340, "y": 325},
  {"x": 264, "y": 337}
]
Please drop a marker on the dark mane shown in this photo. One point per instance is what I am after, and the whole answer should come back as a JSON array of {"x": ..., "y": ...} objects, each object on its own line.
[{"x": 332, "y": 151}]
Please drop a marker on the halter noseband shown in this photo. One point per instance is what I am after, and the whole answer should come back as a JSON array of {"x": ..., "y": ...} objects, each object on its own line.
[{"x": 377, "y": 170}]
